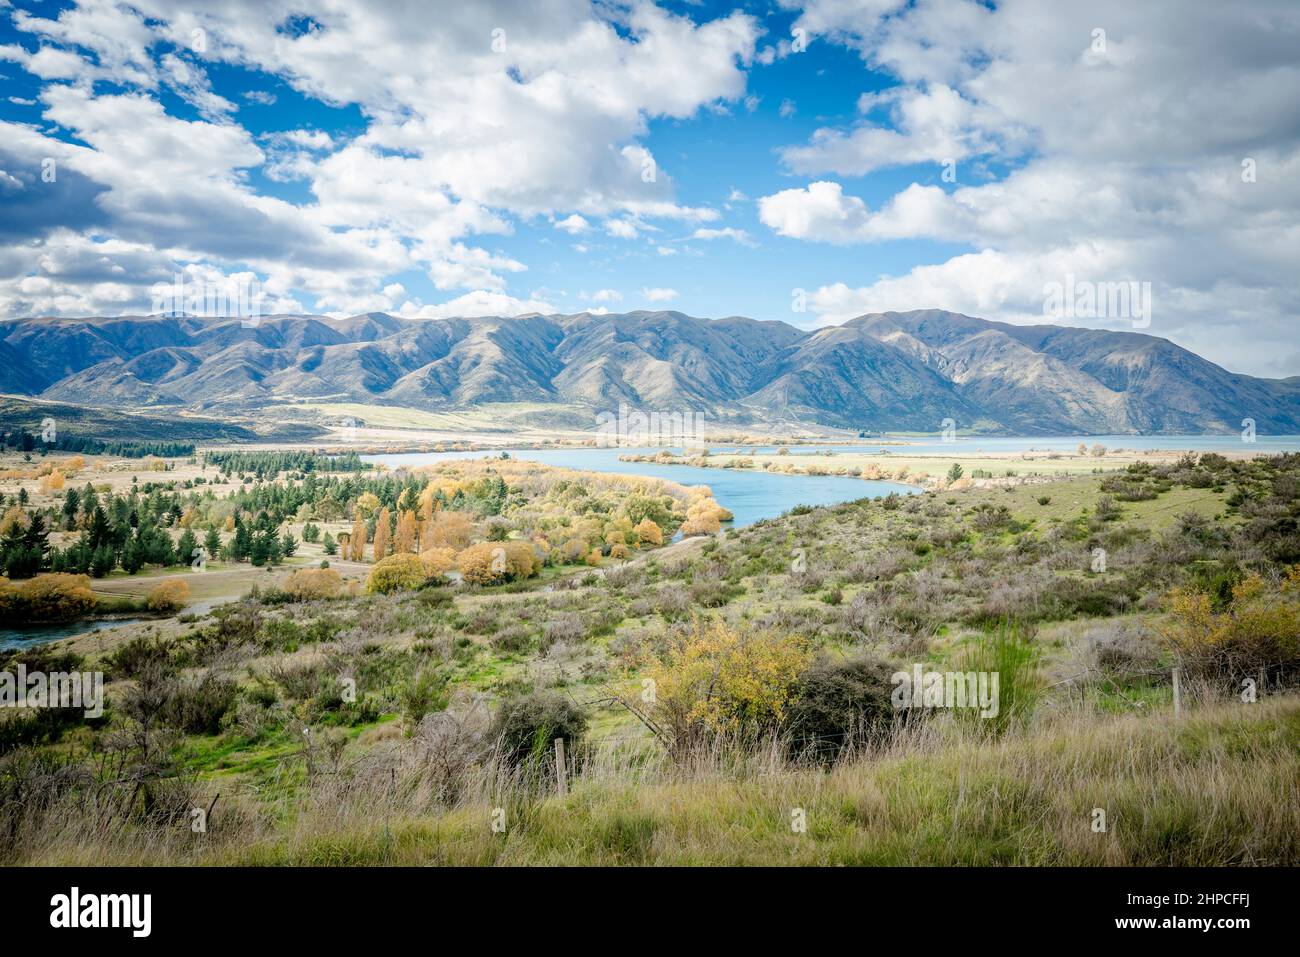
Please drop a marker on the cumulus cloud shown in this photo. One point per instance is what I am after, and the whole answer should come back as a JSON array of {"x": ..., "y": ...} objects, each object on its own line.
[
  {"x": 1126, "y": 155},
  {"x": 659, "y": 295},
  {"x": 475, "y": 137}
]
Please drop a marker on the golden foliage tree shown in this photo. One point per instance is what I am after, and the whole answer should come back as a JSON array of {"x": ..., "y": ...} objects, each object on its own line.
[
  {"x": 381, "y": 534},
  {"x": 438, "y": 561},
  {"x": 357, "y": 540},
  {"x": 405, "y": 540},
  {"x": 649, "y": 532},
  {"x": 449, "y": 529}
]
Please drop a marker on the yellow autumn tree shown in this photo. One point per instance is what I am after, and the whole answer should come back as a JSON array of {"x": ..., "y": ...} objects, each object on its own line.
[
  {"x": 169, "y": 595},
  {"x": 492, "y": 563},
  {"x": 405, "y": 539},
  {"x": 449, "y": 529},
  {"x": 438, "y": 561},
  {"x": 381, "y": 533},
  {"x": 649, "y": 532},
  {"x": 357, "y": 540}
]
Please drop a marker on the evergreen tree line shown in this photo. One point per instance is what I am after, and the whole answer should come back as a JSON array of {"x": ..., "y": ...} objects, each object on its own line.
[
  {"x": 270, "y": 464},
  {"x": 25, "y": 441}
]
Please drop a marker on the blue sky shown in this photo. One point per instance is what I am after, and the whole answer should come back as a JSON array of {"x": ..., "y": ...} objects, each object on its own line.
[{"x": 490, "y": 159}]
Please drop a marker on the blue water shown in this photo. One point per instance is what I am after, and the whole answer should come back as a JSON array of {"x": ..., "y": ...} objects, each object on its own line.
[
  {"x": 1263, "y": 444},
  {"x": 755, "y": 495},
  {"x": 751, "y": 496},
  {"x": 40, "y": 634}
]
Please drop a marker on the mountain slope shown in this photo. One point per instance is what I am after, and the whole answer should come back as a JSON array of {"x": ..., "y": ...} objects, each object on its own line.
[{"x": 895, "y": 370}]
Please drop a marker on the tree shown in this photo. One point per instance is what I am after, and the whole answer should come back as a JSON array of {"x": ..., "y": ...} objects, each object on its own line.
[
  {"x": 492, "y": 563},
  {"x": 328, "y": 545},
  {"x": 186, "y": 547},
  {"x": 449, "y": 530},
  {"x": 955, "y": 472},
  {"x": 382, "y": 525},
  {"x": 407, "y": 531},
  {"x": 357, "y": 540},
  {"x": 649, "y": 532}
]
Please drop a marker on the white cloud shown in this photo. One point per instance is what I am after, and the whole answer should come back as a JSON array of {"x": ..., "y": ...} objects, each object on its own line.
[
  {"x": 621, "y": 228},
  {"x": 729, "y": 232},
  {"x": 573, "y": 224},
  {"x": 659, "y": 295},
  {"x": 441, "y": 154},
  {"x": 1125, "y": 162},
  {"x": 478, "y": 303}
]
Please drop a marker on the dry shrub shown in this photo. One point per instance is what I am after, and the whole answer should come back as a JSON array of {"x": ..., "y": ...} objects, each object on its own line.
[{"x": 310, "y": 583}]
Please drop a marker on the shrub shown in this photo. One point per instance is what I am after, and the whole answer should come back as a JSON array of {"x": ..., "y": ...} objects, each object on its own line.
[
  {"x": 51, "y": 597},
  {"x": 310, "y": 583},
  {"x": 141, "y": 652},
  {"x": 197, "y": 706},
  {"x": 525, "y": 725},
  {"x": 1255, "y": 633},
  {"x": 396, "y": 573},
  {"x": 566, "y": 627},
  {"x": 493, "y": 563},
  {"x": 437, "y": 562},
  {"x": 717, "y": 680},
  {"x": 426, "y": 692},
  {"x": 168, "y": 596},
  {"x": 842, "y": 702},
  {"x": 1009, "y": 652}
]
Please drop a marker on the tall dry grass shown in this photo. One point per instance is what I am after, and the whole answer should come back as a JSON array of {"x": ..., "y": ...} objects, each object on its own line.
[{"x": 1221, "y": 786}]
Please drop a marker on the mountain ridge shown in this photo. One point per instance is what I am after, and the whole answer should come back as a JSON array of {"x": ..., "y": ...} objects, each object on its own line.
[{"x": 876, "y": 372}]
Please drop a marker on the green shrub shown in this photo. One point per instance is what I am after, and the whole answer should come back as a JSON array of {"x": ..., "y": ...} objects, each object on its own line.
[
  {"x": 525, "y": 725},
  {"x": 840, "y": 703}
]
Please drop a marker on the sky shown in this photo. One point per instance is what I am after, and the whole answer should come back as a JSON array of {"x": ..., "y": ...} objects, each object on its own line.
[{"x": 804, "y": 162}]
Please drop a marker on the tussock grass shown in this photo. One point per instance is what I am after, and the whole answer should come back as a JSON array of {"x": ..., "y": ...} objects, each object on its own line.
[{"x": 1219, "y": 787}]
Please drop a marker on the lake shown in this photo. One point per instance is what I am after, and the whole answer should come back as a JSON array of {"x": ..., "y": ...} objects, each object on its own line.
[
  {"x": 1005, "y": 444},
  {"x": 751, "y": 496}
]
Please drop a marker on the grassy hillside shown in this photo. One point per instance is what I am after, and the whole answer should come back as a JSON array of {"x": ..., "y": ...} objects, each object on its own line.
[{"x": 770, "y": 736}]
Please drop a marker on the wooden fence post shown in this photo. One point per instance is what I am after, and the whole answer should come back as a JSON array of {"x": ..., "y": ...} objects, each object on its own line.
[
  {"x": 1178, "y": 703},
  {"x": 561, "y": 768}
]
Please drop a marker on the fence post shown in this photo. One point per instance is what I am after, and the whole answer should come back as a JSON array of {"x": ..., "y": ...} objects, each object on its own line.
[
  {"x": 1178, "y": 704},
  {"x": 561, "y": 768}
]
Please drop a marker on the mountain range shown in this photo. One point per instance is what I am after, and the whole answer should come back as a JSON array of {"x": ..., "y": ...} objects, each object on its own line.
[{"x": 885, "y": 371}]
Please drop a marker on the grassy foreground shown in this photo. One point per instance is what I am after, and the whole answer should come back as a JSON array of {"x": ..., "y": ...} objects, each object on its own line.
[{"x": 1219, "y": 787}]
